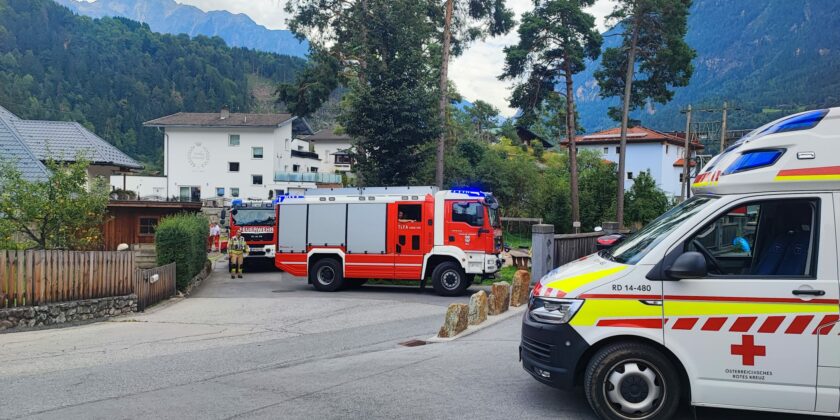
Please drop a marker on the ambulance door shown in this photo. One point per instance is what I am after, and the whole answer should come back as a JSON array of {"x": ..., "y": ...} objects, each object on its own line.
[
  {"x": 411, "y": 225},
  {"x": 828, "y": 365},
  {"x": 746, "y": 331}
]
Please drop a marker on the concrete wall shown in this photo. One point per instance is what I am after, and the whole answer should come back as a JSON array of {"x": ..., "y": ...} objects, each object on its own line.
[
  {"x": 199, "y": 157},
  {"x": 647, "y": 156}
]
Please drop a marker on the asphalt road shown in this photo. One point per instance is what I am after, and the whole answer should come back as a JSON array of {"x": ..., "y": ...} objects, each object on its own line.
[{"x": 268, "y": 346}]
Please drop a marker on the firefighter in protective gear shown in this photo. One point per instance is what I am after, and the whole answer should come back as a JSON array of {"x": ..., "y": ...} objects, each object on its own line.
[{"x": 237, "y": 250}]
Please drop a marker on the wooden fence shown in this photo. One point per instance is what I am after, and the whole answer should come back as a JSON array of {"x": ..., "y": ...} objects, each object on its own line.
[
  {"x": 572, "y": 246},
  {"x": 154, "y": 285},
  {"x": 29, "y": 278}
]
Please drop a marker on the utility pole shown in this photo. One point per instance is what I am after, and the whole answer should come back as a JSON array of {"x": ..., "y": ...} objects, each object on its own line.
[
  {"x": 723, "y": 129},
  {"x": 687, "y": 153}
]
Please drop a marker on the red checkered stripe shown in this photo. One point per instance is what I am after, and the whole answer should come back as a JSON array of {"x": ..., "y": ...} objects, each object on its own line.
[{"x": 822, "y": 324}]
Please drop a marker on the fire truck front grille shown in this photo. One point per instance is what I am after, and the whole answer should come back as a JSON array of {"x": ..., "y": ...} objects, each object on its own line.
[
  {"x": 257, "y": 236},
  {"x": 539, "y": 350}
]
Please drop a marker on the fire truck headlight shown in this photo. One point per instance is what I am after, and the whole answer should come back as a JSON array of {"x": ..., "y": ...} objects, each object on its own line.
[{"x": 553, "y": 311}]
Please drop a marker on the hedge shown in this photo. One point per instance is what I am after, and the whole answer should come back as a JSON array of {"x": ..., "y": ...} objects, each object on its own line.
[{"x": 182, "y": 239}]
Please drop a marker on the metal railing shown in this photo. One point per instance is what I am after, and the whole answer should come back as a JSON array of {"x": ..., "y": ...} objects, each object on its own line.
[{"x": 317, "y": 177}]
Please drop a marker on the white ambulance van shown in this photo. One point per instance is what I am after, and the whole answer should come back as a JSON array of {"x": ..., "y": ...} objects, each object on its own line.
[{"x": 730, "y": 299}]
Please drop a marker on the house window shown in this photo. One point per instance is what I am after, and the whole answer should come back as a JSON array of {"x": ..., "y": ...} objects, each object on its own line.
[
  {"x": 313, "y": 169},
  {"x": 618, "y": 150},
  {"x": 220, "y": 191},
  {"x": 300, "y": 148},
  {"x": 233, "y": 140},
  {"x": 629, "y": 175},
  {"x": 606, "y": 150},
  {"x": 256, "y": 179},
  {"x": 148, "y": 225},
  {"x": 342, "y": 159},
  {"x": 295, "y": 168},
  {"x": 257, "y": 152},
  {"x": 681, "y": 178},
  {"x": 234, "y": 192},
  {"x": 233, "y": 166},
  {"x": 666, "y": 149}
]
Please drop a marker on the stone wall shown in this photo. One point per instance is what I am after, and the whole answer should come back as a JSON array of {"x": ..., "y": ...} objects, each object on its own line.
[{"x": 66, "y": 312}]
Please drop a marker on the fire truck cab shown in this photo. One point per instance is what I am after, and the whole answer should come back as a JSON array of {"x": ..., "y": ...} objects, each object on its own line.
[
  {"x": 256, "y": 221},
  {"x": 342, "y": 237},
  {"x": 730, "y": 299}
]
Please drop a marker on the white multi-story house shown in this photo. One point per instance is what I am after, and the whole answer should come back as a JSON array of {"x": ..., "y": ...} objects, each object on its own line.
[
  {"x": 333, "y": 149},
  {"x": 647, "y": 150},
  {"x": 234, "y": 155}
]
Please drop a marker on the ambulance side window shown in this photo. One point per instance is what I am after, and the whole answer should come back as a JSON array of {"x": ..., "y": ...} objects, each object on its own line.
[
  {"x": 471, "y": 213},
  {"x": 768, "y": 238}
]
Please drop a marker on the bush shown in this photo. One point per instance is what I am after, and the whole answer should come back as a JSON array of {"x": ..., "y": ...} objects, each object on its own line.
[{"x": 182, "y": 239}]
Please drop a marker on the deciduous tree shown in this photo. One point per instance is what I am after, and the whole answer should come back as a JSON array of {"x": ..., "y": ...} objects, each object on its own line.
[{"x": 65, "y": 211}]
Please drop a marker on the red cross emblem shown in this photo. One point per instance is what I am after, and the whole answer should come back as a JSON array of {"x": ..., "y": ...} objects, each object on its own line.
[{"x": 748, "y": 350}]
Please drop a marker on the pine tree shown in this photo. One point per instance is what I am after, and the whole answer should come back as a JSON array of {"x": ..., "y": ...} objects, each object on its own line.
[
  {"x": 652, "y": 59},
  {"x": 555, "y": 39}
]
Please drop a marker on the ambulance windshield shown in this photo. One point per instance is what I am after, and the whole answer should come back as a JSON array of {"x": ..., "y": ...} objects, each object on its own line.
[{"x": 632, "y": 249}]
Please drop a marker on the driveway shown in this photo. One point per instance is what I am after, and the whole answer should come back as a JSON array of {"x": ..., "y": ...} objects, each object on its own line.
[{"x": 268, "y": 346}]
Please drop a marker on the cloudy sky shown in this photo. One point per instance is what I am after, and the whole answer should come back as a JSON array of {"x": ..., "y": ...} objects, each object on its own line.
[{"x": 474, "y": 73}]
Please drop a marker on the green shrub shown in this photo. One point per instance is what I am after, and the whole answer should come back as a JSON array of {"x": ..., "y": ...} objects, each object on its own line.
[{"x": 182, "y": 239}]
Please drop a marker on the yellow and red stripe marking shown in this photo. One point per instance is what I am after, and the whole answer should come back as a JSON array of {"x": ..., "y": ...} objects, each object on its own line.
[
  {"x": 824, "y": 173},
  {"x": 759, "y": 315},
  {"x": 559, "y": 288},
  {"x": 706, "y": 179}
]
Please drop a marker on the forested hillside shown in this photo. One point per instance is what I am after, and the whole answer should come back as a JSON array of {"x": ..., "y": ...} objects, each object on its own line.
[
  {"x": 767, "y": 57},
  {"x": 170, "y": 17},
  {"x": 112, "y": 74}
]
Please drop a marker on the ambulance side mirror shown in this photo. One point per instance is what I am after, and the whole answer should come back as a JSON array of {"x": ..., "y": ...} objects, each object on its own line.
[{"x": 689, "y": 265}]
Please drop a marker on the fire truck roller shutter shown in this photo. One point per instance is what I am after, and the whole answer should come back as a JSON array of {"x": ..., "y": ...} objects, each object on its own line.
[
  {"x": 327, "y": 224},
  {"x": 291, "y": 228},
  {"x": 366, "y": 224}
]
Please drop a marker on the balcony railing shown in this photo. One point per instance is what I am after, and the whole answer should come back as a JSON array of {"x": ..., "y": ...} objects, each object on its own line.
[
  {"x": 318, "y": 177},
  {"x": 307, "y": 155}
]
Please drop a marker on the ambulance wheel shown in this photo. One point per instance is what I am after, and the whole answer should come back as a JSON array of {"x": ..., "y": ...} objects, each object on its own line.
[
  {"x": 326, "y": 275},
  {"x": 449, "y": 279},
  {"x": 631, "y": 381}
]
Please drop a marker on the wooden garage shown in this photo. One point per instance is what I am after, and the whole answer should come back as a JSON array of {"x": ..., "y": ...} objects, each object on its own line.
[{"x": 134, "y": 222}]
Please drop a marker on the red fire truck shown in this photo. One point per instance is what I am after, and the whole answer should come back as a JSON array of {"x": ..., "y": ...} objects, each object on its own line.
[
  {"x": 339, "y": 237},
  {"x": 256, "y": 220}
]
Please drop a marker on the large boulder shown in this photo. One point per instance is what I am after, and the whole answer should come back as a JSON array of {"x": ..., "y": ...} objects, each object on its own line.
[
  {"x": 521, "y": 288},
  {"x": 457, "y": 317},
  {"x": 478, "y": 307},
  {"x": 499, "y": 298}
]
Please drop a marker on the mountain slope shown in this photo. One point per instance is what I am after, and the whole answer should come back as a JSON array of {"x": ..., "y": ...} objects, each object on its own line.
[
  {"x": 767, "y": 57},
  {"x": 112, "y": 74},
  {"x": 169, "y": 17}
]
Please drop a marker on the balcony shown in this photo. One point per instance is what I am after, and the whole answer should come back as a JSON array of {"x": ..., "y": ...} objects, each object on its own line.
[
  {"x": 317, "y": 177},
  {"x": 306, "y": 155}
]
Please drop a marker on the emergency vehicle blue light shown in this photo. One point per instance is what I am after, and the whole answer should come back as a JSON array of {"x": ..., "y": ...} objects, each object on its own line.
[
  {"x": 753, "y": 159},
  {"x": 802, "y": 121},
  {"x": 236, "y": 202},
  {"x": 472, "y": 192}
]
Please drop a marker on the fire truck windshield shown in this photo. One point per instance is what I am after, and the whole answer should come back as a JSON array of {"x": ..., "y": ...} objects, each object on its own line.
[{"x": 253, "y": 217}]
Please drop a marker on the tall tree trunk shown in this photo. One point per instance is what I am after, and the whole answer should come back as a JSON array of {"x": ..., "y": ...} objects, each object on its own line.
[
  {"x": 571, "y": 131},
  {"x": 625, "y": 114},
  {"x": 444, "y": 85}
]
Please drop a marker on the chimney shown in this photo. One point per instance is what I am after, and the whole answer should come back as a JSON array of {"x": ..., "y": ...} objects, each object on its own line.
[{"x": 225, "y": 113}]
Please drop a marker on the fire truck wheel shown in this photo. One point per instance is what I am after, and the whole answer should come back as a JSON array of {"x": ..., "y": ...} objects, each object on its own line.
[
  {"x": 449, "y": 279},
  {"x": 326, "y": 275},
  {"x": 625, "y": 381}
]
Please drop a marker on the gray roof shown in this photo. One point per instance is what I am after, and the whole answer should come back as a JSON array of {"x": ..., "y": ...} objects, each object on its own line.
[
  {"x": 64, "y": 141},
  {"x": 198, "y": 119},
  {"x": 328, "y": 134},
  {"x": 14, "y": 150},
  {"x": 28, "y": 143}
]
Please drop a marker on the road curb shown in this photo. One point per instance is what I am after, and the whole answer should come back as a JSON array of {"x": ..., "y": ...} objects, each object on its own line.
[{"x": 491, "y": 320}]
